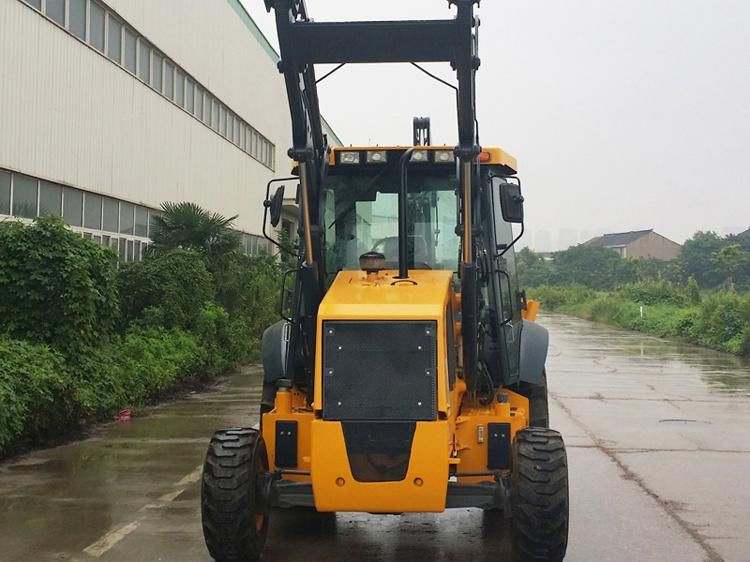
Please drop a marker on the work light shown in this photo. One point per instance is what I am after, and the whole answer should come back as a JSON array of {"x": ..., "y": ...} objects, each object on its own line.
[
  {"x": 349, "y": 157},
  {"x": 419, "y": 156},
  {"x": 444, "y": 156},
  {"x": 376, "y": 157}
]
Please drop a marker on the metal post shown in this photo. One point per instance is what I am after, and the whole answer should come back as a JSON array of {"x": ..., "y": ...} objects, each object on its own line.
[{"x": 403, "y": 227}]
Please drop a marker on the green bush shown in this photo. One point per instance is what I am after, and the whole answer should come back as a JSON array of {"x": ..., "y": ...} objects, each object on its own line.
[
  {"x": 35, "y": 393},
  {"x": 653, "y": 292},
  {"x": 55, "y": 287},
  {"x": 226, "y": 340},
  {"x": 248, "y": 286},
  {"x": 169, "y": 289},
  {"x": 142, "y": 364},
  {"x": 554, "y": 297},
  {"x": 102, "y": 338},
  {"x": 719, "y": 320}
]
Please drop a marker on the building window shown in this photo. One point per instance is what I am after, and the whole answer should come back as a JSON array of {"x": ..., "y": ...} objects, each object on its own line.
[
  {"x": 152, "y": 222},
  {"x": 169, "y": 80},
  {"x": 199, "y": 102},
  {"x": 144, "y": 61},
  {"x": 179, "y": 87},
  {"x": 50, "y": 199},
  {"x": 223, "y": 120},
  {"x": 214, "y": 115},
  {"x": 156, "y": 75},
  {"x": 92, "y": 215},
  {"x": 96, "y": 26},
  {"x": 129, "y": 50},
  {"x": 114, "y": 39},
  {"x": 190, "y": 95},
  {"x": 77, "y": 18},
  {"x": 141, "y": 221},
  {"x": 35, "y": 3},
  {"x": 126, "y": 217},
  {"x": 123, "y": 249},
  {"x": 4, "y": 193},
  {"x": 72, "y": 207},
  {"x": 55, "y": 10},
  {"x": 110, "y": 213},
  {"x": 24, "y": 196}
]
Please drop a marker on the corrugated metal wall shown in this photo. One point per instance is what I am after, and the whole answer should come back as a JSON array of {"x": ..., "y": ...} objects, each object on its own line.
[{"x": 70, "y": 115}]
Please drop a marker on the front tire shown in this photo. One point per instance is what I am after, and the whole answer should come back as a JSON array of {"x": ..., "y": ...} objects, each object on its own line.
[
  {"x": 235, "y": 519},
  {"x": 539, "y": 496}
]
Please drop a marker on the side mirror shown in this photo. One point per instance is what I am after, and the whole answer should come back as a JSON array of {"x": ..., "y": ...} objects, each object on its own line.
[
  {"x": 274, "y": 205},
  {"x": 511, "y": 202}
]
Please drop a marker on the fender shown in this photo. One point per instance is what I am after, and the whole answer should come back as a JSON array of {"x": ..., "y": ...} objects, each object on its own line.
[
  {"x": 533, "y": 352},
  {"x": 273, "y": 351}
]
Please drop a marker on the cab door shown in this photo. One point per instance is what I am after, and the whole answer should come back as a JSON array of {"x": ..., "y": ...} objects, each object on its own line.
[{"x": 505, "y": 284}]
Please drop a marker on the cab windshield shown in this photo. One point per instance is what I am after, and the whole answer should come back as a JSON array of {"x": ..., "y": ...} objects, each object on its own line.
[{"x": 360, "y": 214}]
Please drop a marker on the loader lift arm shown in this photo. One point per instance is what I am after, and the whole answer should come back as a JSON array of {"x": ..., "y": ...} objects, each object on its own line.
[{"x": 303, "y": 44}]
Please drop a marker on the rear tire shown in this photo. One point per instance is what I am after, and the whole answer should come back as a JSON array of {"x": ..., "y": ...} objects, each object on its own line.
[
  {"x": 538, "y": 402},
  {"x": 235, "y": 519},
  {"x": 539, "y": 496}
]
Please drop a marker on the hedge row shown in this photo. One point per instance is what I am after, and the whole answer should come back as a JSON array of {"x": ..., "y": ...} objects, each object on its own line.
[
  {"x": 82, "y": 336},
  {"x": 719, "y": 320}
]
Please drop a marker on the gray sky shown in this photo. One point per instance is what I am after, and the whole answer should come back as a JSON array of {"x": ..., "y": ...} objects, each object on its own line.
[{"x": 623, "y": 114}]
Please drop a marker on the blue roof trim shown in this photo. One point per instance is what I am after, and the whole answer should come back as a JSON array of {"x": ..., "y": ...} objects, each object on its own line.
[{"x": 275, "y": 57}]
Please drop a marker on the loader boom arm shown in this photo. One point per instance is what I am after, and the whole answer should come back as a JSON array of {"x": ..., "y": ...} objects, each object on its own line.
[{"x": 303, "y": 44}]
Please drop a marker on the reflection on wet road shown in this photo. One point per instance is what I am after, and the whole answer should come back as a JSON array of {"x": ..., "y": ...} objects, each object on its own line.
[{"x": 658, "y": 447}]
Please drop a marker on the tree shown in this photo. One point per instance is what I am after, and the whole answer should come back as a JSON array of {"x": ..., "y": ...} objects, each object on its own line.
[
  {"x": 190, "y": 226},
  {"x": 696, "y": 259},
  {"x": 533, "y": 269},
  {"x": 730, "y": 259},
  {"x": 596, "y": 268}
]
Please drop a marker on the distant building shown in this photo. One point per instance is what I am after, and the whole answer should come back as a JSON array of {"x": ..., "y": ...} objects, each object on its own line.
[{"x": 638, "y": 244}]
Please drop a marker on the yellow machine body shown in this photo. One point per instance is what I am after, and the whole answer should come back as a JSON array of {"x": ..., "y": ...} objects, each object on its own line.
[{"x": 455, "y": 442}]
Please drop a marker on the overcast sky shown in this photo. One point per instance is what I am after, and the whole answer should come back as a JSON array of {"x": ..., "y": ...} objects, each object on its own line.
[{"x": 623, "y": 115}]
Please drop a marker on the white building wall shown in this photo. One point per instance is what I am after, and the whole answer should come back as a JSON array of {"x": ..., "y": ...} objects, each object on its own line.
[{"x": 70, "y": 115}]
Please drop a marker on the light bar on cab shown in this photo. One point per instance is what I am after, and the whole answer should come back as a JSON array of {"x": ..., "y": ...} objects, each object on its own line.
[{"x": 420, "y": 156}]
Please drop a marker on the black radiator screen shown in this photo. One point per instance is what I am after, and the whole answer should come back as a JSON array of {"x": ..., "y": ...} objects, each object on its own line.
[{"x": 379, "y": 370}]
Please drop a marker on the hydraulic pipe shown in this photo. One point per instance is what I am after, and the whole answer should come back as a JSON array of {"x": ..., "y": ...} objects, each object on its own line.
[
  {"x": 403, "y": 230},
  {"x": 306, "y": 213},
  {"x": 468, "y": 251}
]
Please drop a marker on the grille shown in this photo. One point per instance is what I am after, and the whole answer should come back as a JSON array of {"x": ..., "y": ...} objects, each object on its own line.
[
  {"x": 379, "y": 451},
  {"x": 379, "y": 370}
]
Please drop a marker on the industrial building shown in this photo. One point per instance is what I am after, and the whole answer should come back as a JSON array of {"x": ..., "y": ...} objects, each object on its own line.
[{"x": 109, "y": 109}]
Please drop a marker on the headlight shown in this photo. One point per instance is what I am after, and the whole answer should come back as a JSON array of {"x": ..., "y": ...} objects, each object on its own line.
[
  {"x": 444, "y": 156},
  {"x": 376, "y": 157},
  {"x": 419, "y": 156},
  {"x": 350, "y": 157}
]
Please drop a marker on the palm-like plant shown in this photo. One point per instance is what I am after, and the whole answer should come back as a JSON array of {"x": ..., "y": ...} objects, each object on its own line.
[{"x": 188, "y": 225}]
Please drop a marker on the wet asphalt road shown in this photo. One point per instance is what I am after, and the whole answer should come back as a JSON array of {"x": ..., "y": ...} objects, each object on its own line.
[{"x": 658, "y": 439}]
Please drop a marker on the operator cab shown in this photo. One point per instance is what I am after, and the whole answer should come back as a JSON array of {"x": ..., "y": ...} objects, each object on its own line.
[{"x": 359, "y": 205}]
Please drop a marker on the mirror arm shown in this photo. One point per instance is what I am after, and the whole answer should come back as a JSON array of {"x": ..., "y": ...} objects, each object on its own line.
[{"x": 513, "y": 243}]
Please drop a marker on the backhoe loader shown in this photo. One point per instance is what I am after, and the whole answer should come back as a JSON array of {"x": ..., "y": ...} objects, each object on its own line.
[{"x": 408, "y": 374}]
